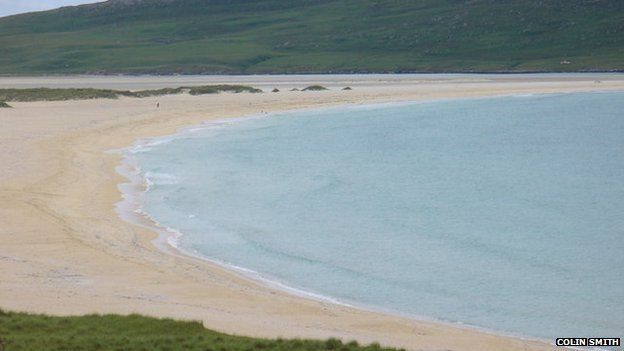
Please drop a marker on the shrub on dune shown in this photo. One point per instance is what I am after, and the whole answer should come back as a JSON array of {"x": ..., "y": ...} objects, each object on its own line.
[{"x": 315, "y": 88}]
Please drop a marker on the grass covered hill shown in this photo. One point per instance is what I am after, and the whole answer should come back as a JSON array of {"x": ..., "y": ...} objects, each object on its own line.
[
  {"x": 311, "y": 36},
  {"x": 25, "y": 332}
]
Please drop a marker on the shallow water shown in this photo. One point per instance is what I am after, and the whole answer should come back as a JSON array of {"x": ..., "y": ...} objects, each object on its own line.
[{"x": 503, "y": 213}]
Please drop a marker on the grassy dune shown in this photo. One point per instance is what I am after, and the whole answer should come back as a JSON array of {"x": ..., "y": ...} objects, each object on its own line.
[
  {"x": 47, "y": 94},
  {"x": 21, "y": 332},
  {"x": 311, "y": 36},
  {"x": 314, "y": 88}
]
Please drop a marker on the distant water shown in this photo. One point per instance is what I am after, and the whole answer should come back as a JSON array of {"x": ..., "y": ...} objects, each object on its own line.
[{"x": 503, "y": 213}]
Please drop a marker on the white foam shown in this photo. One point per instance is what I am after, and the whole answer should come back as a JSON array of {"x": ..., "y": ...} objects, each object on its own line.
[{"x": 160, "y": 178}]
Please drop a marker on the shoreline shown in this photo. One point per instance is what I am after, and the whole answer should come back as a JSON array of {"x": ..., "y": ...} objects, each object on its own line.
[
  {"x": 59, "y": 181},
  {"x": 131, "y": 210},
  {"x": 143, "y": 82}
]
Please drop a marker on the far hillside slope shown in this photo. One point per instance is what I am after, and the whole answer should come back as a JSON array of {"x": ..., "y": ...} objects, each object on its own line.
[{"x": 312, "y": 36}]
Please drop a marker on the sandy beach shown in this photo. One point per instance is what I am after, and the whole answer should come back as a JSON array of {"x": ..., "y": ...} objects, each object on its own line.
[{"x": 64, "y": 249}]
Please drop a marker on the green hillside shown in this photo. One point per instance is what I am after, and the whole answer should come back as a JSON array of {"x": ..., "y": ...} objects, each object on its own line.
[
  {"x": 25, "y": 332},
  {"x": 295, "y": 36}
]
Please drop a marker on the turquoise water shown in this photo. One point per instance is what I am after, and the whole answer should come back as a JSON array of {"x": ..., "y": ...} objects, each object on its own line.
[{"x": 503, "y": 213}]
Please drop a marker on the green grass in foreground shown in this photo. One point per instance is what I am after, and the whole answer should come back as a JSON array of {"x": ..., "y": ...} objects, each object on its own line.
[
  {"x": 20, "y": 331},
  {"x": 4, "y": 105},
  {"x": 47, "y": 94}
]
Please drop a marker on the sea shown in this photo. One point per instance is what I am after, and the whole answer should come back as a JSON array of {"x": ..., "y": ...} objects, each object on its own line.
[{"x": 501, "y": 213}]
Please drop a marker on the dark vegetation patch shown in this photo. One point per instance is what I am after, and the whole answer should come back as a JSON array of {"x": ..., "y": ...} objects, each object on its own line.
[
  {"x": 315, "y": 88},
  {"x": 25, "y": 332},
  {"x": 54, "y": 94},
  {"x": 215, "y": 89}
]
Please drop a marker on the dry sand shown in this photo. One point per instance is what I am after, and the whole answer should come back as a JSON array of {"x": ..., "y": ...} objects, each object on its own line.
[{"x": 64, "y": 250}]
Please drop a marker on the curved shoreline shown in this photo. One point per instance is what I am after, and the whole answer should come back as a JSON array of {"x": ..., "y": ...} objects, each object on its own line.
[
  {"x": 69, "y": 253},
  {"x": 130, "y": 209}
]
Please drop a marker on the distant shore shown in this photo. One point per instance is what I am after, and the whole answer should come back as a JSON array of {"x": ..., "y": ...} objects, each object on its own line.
[
  {"x": 66, "y": 251},
  {"x": 267, "y": 82},
  {"x": 308, "y": 73}
]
